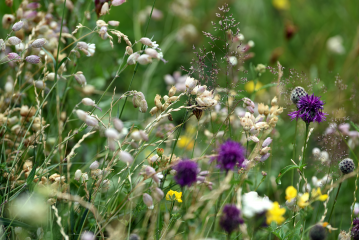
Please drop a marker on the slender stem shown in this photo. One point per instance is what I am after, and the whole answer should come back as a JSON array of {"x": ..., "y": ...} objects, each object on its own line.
[
  {"x": 264, "y": 177},
  {"x": 294, "y": 147},
  {"x": 135, "y": 70},
  {"x": 215, "y": 215},
  {"x": 304, "y": 151},
  {"x": 335, "y": 201}
]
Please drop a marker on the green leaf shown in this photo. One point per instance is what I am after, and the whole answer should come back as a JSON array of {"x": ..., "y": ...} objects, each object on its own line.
[
  {"x": 8, "y": 222},
  {"x": 52, "y": 57},
  {"x": 283, "y": 171},
  {"x": 62, "y": 61},
  {"x": 355, "y": 126}
]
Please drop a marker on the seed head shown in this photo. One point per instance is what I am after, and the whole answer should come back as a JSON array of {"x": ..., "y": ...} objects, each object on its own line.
[
  {"x": 17, "y": 26},
  {"x": 297, "y": 94},
  {"x": 346, "y": 166},
  {"x": 14, "y": 56},
  {"x": 38, "y": 43}
]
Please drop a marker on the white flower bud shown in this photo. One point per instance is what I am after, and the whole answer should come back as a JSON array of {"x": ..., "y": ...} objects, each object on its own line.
[
  {"x": 81, "y": 114},
  {"x": 125, "y": 157},
  {"x": 136, "y": 136},
  {"x": 38, "y": 43},
  {"x": 114, "y": 23},
  {"x": 94, "y": 165},
  {"x": 104, "y": 9},
  {"x": 152, "y": 53},
  {"x": 111, "y": 144},
  {"x": 51, "y": 76},
  {"x": 118, "y": 124},
  {"x": 146, "y": 41},
  {"x": 14, "y": 40},
  {"x": 144, "y": 135},
  {"x": 9, "y": 87},
  {"x": 91, "y": 121},
  {"x": 84, "y": 177},
  {"x": 88, "y": 102},
  {"x": 87, "y": 236},
  {"x": 78, "y": 174},
  {"x": 144, "y": 59},
  {"x": 267, "y": 142},
  {"x": 133, "y": 58},
  {"x": 316, "y": 152},
  {"x": 129, "y": 50},
  {"x": 143, "y": 106},
  {"x": 153, "y": 111},
  {"x": 17, "y": 26},
  {"x": 147, "y": 199},
  {"x": 154, "y": 158},
  {"x": 40, "y": 84},
  {"x": 190, "y": 83},
  {"x": 112, "y": 134},
  {"x": 82, "y": 45},
  {"x": 253, "y": 138},
  {"x": 33, "y": 59},
  {"x": 264, "y": 150},
  {"x": 80, "y": 78}
]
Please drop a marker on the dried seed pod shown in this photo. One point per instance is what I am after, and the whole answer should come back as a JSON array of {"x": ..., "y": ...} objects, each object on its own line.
[
  {"x": 170, "y": 117},
  {"x": 198, "y": 113}
]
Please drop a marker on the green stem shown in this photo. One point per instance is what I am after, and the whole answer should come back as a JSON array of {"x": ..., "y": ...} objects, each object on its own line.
[
  {"x": 304, "y": 151},
  {"x": 294, "y": 147},
  {"x": 215, "y": 215},
  {"x": 335, "y": 201}
]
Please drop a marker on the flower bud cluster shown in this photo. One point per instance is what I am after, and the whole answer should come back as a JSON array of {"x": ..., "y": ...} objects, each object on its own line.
[{"x": 168, "y": 100}]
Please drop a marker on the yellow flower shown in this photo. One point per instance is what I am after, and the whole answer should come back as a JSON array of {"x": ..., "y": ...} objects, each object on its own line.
[
  {"x": 174, "y": 196},
  {"x": 317, "y": 195},
  {"x": 303, "y": 200},
  {"x": 275, "y": 214},
  {"x": 281, "y": 4},
  {"x": 290, "y": 193},
  {"x": 185, "y": 142},
  {"x": 249, "y": 87}
]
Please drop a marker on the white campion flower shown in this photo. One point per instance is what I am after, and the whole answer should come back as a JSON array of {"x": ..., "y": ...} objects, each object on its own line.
[
  {"x": 91, "y": 49},
  {"x": 253, "y": 204},
  {"x": 206, "y": 99}
]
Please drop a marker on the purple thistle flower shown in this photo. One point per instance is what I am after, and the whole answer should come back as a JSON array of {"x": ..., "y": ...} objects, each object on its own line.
[
  {"x": 309, "y": 109},
  {"x": 231, "y": 218},
  {"x": 230, "y": 154},
  {"x": 355, "y": 229},
  {"x": 186, "y": 172}
]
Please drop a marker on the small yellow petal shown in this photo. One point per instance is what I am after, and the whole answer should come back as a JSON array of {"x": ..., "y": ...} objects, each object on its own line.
[{"x": 323, "y": 197}]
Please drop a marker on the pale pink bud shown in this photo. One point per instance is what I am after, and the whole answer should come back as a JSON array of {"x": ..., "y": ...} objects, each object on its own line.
[
  {"x": 147, "y": 199},
  {"x": 111, "y": 144},
  {"x": 14, "y": 40},
  {"x": 133, "y": 58},
  {"x": 114, "y": 23},
  {"x": 88, "y": 102},
  {"x": 267, "y": 142},
  {"x": 203, "y": 173},
  {"x": 104, "y": 9},
  {"x": 80, "y": 78},
  {"x": 33, "y": 5},
  {"x": 146, "y": 41},
  {"x": 81, "y": 114},
  {"x": 129, "y": 50},
  {"x": 118, "y": 124},
  {"x": 78, "y": 174},
  {"x": 33, "y": 59},
  {"x": 38, "y": 43},
  {"x": 94, "y": 165},
  {"x": 201, "y": 179},
  {"x": 154, "y": 158},
  {"x": 30, "y": 14},
  {"x": 150, "y": 170},
  {"x": 91, "y": 121},
  {"x": 144, "y": 59},
  {"x": 248, "y": 102},
  {"x": 264, "y": 157},
  {"x": 144, "y": 135},
  {"x": 158, "y": 194},
  {"x": 112, "y": 133},
  {"x": 253, "y": 138},
  {"x": 125, "y": 157},
  {"x": 87, "y": 236},
  {"x": 118, "y": 2},
  {"x": 152, "y": 53},
  {"x": 40, "y": 84},
  {"x": 14, "y": 56},
  {"x": 82, "y": 45},
  {"x": 17, "y": 26}
]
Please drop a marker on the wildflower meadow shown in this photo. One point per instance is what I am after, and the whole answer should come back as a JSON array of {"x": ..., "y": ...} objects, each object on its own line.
[{"x": 179, "y": 119}]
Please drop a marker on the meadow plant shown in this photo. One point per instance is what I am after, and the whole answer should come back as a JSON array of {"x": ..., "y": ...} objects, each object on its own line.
[{"x": 203, "y": 157}]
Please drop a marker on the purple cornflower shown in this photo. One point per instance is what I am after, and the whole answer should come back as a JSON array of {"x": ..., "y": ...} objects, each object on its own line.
[
  {"x": 186, "y": 172},
  {"x": 355, "y": 229},
  {"x": 230, "y": 154},
  {"x": 231, "y": 218},
  {"x": 309, "y": 109}
]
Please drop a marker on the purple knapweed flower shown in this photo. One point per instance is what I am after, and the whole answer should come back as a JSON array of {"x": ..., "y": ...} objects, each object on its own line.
[
  {"x": 309, "y": 109},
  {"x": 231, "y": 218},
  {"x": 186, "y": 172},
  {"x": 355, "y": 229},
  {"x": 230, "y": 154}
]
